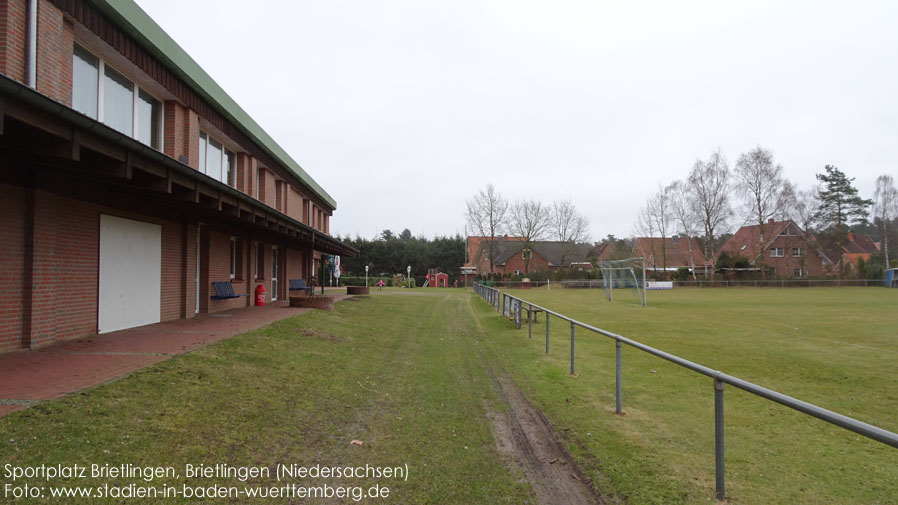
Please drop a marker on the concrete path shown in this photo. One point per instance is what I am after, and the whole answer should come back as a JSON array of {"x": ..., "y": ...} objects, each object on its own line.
[{"x": 27, "y": 377}]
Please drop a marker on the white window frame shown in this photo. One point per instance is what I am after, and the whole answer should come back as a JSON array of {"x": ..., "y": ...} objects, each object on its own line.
[
  {"x": 135, "y": 94},
  {"x": 777, "y": 252},
  {"x": 797, "y": 252},
  {"x": 800, "y": 272},
  {"x": 223, "y": 169},
  {"x": 233, "y": 258}
]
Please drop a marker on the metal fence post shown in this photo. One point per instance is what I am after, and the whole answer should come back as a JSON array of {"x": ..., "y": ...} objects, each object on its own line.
[
  {"x": 618, "y": 384},
  {"x": 572, "y": 348},
  {"x": 530, "y": 322},
  {"x": 718, "y": 439},
  {"x": 547, "y": 332},
  {"x": 503, "y": 304}
]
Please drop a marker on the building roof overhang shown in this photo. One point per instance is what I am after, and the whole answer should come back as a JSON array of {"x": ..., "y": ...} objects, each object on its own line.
[{"x": 47, "y": 132}]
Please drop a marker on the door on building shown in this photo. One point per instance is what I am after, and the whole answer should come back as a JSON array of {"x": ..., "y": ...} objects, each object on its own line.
[
  {"x": 130, "y": 284},
  {"x": 274, "y": 273}
]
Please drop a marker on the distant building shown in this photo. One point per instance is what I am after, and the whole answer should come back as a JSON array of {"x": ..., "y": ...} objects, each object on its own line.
[
  {"x": 787, "y": 250},
  {"x": 670, "y": 254},
  {"x": 510, "y": 256}
]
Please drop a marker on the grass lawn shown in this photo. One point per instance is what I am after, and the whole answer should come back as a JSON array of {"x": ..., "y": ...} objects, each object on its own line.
[
  {"x": 408, "y": 374},
  {"x": 837, "y": 348},
  {"x": 402, "y": 374}
]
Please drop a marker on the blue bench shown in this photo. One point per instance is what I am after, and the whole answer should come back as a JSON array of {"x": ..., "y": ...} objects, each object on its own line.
[
  {"x": 300, "y": 285},
  {"x": 225, "y": 290}
]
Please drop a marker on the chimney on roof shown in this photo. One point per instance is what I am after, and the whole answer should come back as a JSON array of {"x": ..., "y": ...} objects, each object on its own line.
[
  {"x": 770, "y": 220},
  {"x": 676, "y": 239}
]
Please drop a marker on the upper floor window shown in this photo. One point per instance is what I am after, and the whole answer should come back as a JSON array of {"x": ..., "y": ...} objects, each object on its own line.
[
  {"x": 104, "y": 94},
  {"x": 216, "y": 161},
  {"x": 797, "y": 252},
  {"x": 777, "y": 252}
]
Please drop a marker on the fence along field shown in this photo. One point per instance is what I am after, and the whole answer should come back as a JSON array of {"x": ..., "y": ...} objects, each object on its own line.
[{"x": 836, "y": 348}]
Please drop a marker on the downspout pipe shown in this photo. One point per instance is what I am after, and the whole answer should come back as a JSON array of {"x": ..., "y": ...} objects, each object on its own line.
[{"x": 31, "y": 51}]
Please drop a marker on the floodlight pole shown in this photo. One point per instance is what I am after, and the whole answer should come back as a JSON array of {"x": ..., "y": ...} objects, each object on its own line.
[
  {"x": 366, "y": 276},
  {"x": 408, "y": 281}
]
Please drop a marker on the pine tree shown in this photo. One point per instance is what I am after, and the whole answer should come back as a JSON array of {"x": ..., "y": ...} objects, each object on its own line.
[{"x": 839, "y": 205}]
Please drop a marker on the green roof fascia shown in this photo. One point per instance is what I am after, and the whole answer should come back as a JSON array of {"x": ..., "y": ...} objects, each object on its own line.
[{"x": 154, "y": 39}]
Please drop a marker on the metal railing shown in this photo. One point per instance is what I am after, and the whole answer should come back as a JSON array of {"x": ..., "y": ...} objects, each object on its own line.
[{"x": 512, "y": 305}]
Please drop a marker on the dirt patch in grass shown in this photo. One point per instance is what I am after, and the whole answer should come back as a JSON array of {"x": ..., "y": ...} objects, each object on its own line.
[
  {"x": 526, "y": 438},
  {"x": 308, "y": 332}
]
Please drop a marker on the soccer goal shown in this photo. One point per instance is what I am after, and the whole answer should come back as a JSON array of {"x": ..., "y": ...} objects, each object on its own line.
[{"x": 626, "y": 274}]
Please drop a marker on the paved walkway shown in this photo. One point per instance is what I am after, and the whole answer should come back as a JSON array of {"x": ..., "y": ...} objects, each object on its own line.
[{"x": 69, "y": 366}]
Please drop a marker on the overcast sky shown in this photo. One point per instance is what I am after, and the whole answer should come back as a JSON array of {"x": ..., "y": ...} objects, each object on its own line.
[{"x": 403, "y": 109}]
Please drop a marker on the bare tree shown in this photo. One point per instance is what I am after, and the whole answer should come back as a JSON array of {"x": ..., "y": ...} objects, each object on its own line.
[
  {"x": 885, "y": 209},
  {"x": 568, "y": 226},
  {"x": 685, "y": 220},
  {"x": 530, "y": 220},
  {"x": 760, "y": 183},
  {"x": 709, "y": 188},
  {"x": 646, "y": 227},
  {"x": 658, "y": 210},
  {"x": 485, "y": 213}
]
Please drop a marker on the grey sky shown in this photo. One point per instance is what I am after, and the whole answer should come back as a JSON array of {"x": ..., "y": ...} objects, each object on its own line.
[{"x": 402, "y": 109}]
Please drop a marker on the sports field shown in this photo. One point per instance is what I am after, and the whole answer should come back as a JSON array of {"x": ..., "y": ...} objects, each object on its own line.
[
  {"x": 432, "y": 379},
  {"x": 837, "y": 348}
]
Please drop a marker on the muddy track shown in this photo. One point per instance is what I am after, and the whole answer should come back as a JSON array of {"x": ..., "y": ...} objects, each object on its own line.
[{"x": 526, "y": 438}]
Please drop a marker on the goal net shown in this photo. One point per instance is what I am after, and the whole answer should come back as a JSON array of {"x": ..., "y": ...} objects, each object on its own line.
[{"x": 627, "y": 275}]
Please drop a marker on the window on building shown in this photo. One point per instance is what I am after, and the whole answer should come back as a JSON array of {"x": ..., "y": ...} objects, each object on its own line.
[
  {"x": 216, "y": 161},
  {"x": 105, "y": 94},
  {"x": 797, "y": 272},
  {"x": 777, "y": 252},
  {"x": 260, "y": 261},
  {"x": 518, "y": 272},
  {"x": 797, "y": 252},
  {"x": 85, "y": 82},
  {"x": 258, "y": 184},
  {"x": 526, "y": 254},
  {"x": 236, "y": 258}
]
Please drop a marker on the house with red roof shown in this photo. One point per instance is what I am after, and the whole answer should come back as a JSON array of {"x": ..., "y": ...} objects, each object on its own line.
[
  {"x": 787, "y": 251},
  {"x": 670, "y": 254}
]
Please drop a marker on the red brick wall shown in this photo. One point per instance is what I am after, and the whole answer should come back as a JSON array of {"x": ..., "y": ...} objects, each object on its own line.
[
  {"x": 268, "y": 194},
  {"x": 296, "y": 268},
  {"x": 220, "y": 270},
  {"x": 66, "y": 268},
  {"x": 13, "y": 28},
  {"x": 12, "y": 258},
  {"x": 54, "y": 53},
  {"x": 78, "y": 257},
  {"x": 813, "y": 264}
]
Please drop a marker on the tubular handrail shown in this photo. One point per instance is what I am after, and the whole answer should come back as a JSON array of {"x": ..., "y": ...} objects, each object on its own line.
[{"x": 493, "y": 296}]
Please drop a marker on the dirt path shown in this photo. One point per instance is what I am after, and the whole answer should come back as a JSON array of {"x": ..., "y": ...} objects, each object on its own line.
[{"x": 527, "y": 440}]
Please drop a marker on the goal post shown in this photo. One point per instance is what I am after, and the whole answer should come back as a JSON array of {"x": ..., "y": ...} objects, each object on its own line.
[{"x": 624, "y": 274}]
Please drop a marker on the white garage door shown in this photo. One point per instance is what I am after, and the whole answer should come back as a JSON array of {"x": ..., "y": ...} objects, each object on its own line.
[{"x": 130, "y": 273}]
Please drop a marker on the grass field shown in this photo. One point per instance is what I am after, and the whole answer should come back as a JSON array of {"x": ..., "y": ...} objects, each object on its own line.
[
  {"x": 394, "y": 372},
  {"x": 409, "y": 374},
  {"x": 837, "y": 348}
]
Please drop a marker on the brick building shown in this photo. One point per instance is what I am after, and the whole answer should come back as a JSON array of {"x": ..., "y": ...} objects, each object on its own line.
[
  {"x": 787, "y": 249},
  {"x": 130, "y": 181},
  {"x": 511, "y": 256},
  {"x": 672, "y": 253}
]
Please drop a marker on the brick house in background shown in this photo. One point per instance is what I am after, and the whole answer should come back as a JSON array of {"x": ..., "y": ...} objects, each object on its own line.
[
  {"x": 130, "y": 181},
  {"x": 681, "y": 252},
  {"x": 510, "y": 256},
  {"x": 856, "y": 247},
  {"x": 788, "y": 250}
]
